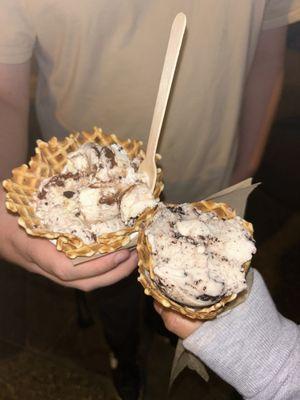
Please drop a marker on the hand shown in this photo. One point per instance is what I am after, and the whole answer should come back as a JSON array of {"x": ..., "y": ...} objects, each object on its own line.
[
  {"x": 40, "y": 256},
  {"x": 176, "y": 323}
]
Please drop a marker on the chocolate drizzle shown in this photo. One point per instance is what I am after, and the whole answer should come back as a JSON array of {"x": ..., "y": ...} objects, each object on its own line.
[
  {"x": 178, "y": 210},
  {"x": 206, "y": 297},
  {"x": 177, "y": 235},
  {"x": 59, "y": 180}
]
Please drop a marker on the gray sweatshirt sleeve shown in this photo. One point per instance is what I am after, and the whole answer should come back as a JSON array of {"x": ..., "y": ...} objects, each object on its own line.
[{"x": 253, "y": 348}]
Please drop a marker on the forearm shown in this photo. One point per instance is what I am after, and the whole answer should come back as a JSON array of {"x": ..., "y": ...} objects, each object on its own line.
[
  {"x": 13, "y": 138},
  {"x": 253, "y": 348},
  {"x": 260, "y": 101}
]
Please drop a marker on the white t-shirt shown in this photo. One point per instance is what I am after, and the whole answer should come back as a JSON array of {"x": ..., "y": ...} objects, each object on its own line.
[{"x": 100, "y": 63}]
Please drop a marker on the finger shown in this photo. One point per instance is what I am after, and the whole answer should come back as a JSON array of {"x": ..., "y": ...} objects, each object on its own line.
[
  {"x": 181, "y": 325},
  {"x": 121, "y": 271},
  {"x": 158, "y": 307},
  {"x": 95, "y": 267},
  {"x": 45, "y": 255}
]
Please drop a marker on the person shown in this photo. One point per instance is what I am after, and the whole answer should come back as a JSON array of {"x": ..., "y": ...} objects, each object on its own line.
[
  {"x": 252, "y": 347},
  {"x": 99, "y": 64}
]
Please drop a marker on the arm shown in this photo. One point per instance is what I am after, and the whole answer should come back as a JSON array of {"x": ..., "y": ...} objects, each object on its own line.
[
  {"x": 14, "y": 107},
  {"x": 39, "y": 255},
  {"x": 261, "y": 97},
  {"x": 252, "y": 347}
]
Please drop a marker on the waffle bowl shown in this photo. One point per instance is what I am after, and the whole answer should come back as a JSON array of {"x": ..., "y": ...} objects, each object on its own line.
[
  {"x": 147, "y": 275},
  {"x": 49, "y": 159}
]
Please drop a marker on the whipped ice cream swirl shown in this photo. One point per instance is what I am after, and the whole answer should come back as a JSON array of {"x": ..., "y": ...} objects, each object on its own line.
[
  {"x": 98, "y": 191},
  {"x": 198, "y": 257}
]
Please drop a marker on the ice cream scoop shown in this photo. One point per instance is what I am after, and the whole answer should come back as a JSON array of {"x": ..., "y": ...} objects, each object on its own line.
[{"x": 99, "y": 190}]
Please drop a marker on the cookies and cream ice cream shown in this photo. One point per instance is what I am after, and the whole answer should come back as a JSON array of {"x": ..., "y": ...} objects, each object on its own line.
[
  {"x": 98, "y": 191},
  {"x": 197, "y": 257}
]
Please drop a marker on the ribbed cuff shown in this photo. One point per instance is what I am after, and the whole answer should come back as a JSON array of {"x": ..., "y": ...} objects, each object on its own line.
[{"x": 248, "y": 346}]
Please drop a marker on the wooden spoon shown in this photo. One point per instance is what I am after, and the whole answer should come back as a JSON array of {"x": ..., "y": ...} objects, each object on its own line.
[{"x": 148, "y": 165}]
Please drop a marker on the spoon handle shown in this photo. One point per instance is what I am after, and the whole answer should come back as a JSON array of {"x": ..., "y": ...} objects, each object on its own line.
[{"x": 171, "y": 57}]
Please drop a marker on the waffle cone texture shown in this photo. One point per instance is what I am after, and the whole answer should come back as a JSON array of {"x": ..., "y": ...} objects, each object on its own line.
[
  {"x": 147, "y": 275},
  {"x": 49, "y": 159}
]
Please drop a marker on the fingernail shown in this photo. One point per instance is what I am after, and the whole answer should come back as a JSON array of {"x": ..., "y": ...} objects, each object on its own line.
[{"x": 121, "y": 256}]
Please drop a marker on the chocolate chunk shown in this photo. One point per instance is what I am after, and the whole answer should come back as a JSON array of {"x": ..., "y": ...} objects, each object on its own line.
[
  {"x": 177, "y": 235},
  {"x": 135, "y": 165},
  {"x": 224, "y": 259},
  {"x": 131, "y": 221},
  {"x": 213, "y": 239},
  {"x": 109, "y": 200},
  {"x": 192, "y": 240},
  {"x": 176, "y": 210},
  {"x": 42, "y": 194},
  {"x": 110, "y": 155},
  {"x": 95, "y": 147},
  {"x": 69, "y": 194}
]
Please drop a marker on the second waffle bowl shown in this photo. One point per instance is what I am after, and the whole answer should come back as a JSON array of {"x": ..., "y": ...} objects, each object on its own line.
[{"x": 147, "y": 274}]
